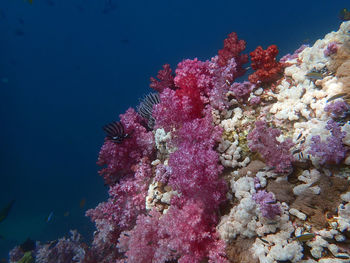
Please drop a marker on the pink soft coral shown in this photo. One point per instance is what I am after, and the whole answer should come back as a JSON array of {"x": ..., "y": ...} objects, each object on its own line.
[
  {"x": 173, "y": 110},
  {"x": 127, "y": 198},
  {"x": 166, "y": 79},
  {"x": 190, "y": 231},
  {"x": 186, "y": 233},
  {"x": 119, "y": 158},
  {"x": 119, "y": 213},
  {"x": 195, "y": 167},
  {"x": 193, "y": 73},
  {"x": 141, "y": 243}
]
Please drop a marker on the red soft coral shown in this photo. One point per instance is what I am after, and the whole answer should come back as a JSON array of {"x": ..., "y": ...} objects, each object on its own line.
[
  {"x": 265, "y": 64},
  {"x": 232, "y": 49},
  {"x": 119, "y": 158},
  {"x": 193, "y": 95}
]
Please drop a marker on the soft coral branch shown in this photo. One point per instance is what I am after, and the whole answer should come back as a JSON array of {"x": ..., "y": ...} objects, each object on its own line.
[
  {"x": 166, "y": 79},
  {"x": 263, "y": 139},
  {"x": 267, "y": 69},
  {"x": 118, "y": 159},
  {"x": 232, "y": 49}
]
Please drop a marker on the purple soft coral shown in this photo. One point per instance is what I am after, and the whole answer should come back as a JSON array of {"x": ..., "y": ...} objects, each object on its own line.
[
  {"x": 338, "y": 108},
  {"x": 294, "y": 55},
  {"x": 276, "y": 154},
  {"x": 242, "y": 90},
  {"x": 65, "y": 250},
  {"x": 267, "y": 203},
  {"x": 331, "y": 49},
  {"x": 332, "y": 151}
]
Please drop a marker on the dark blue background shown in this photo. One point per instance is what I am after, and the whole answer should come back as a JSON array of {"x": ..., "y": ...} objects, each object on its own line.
[{"x": 74, "y": 65}]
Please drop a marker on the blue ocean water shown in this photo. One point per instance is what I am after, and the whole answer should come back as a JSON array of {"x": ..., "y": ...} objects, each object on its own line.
[{"x": 69, "y": 67}]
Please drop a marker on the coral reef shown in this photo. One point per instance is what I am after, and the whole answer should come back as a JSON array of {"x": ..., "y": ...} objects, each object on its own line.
[{"x": 215, "y": 170}]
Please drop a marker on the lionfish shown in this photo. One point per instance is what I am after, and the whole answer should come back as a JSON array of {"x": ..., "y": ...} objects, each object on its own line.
[
  {"x": 146, "y": 106},
  {"x": 115, "y": 132}
]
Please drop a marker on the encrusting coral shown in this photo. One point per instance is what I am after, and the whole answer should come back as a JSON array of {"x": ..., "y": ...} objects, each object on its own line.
[{"x": 255, "y": 171}]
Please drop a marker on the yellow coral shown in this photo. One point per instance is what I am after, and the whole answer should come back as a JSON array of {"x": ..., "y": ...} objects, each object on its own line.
[
  {"x": 229, "y": 135},
  {"x": 27, "y": 258},
  {"x": 243, "y": 143}
]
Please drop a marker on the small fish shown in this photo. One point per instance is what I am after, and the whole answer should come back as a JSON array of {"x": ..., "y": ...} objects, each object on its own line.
[
  {"x": 343, "y": 256},
  {"x": 344, "y": 14},
  {"x": 337, "y": 96},
  {"x": 299, "y": 136},
  {"x": 314, "y": 75},
  {"x": 263, "y": 240},
  {"x": 314, "y": 183},
  {"x": 303, "y": 140},
  {"x": 49, "y": 217},
  {"x": 270, "y": 168},
  {"x": 53, "y": 244},
  {"x": 305, "y": 237},
  {"x": 272, "y": 223},
  {"x": 82, "y": 203},
  {"x": 302, "y": 155},
  {"x": 66, "y": 214},
  {"x": 28, "y": 245},
  {"x": 6, "y": 210},
  {"x": 296, "y": 151}
]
